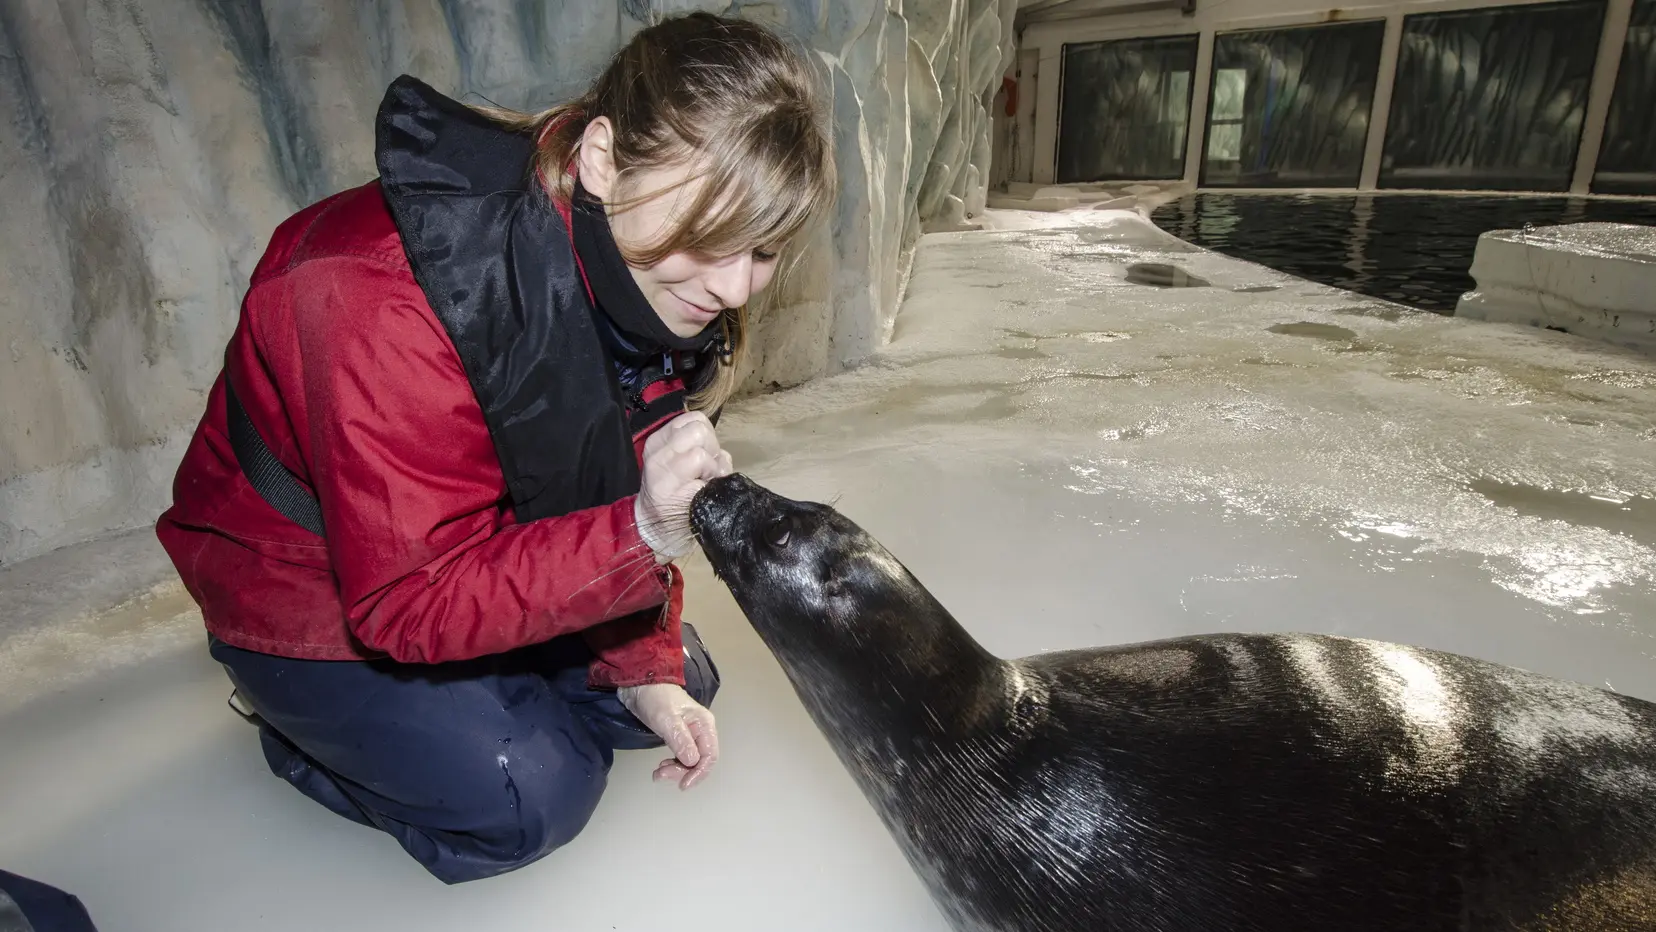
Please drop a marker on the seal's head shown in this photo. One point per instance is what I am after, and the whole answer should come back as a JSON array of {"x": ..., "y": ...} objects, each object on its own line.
[
  {"x": 806, "y": 576},
  {"x": 865, "y": 644}
]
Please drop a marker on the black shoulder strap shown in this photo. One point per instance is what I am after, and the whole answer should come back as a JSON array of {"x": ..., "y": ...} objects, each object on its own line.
[{"x": 268, "y": 476}]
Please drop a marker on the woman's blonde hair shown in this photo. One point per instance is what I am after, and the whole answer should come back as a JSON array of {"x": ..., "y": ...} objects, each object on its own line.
[{"x": 736, "y": 101}]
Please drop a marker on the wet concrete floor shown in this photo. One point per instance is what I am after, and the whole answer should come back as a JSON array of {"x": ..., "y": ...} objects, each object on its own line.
[{"x": 1065, "y": 457}]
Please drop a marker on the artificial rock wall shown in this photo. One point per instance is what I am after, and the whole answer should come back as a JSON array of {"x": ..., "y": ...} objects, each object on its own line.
[{"x": 151, "y": 146}]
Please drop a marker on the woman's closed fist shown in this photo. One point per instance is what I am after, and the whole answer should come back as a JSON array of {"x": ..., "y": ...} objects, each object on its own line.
[{"x": 679, "y": 458}]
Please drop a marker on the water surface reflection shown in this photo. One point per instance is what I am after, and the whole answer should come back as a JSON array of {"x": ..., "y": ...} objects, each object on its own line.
[{"x": 1409, "y": 248}]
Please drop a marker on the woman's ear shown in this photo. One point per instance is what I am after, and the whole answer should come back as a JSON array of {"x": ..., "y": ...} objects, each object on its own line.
[{"x": 597, "y": 158}]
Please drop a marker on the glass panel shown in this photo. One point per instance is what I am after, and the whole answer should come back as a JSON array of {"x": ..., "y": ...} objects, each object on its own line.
[
  {"x": 1230, "y": 85},
  {"x": 1296, "y": 101},
  {"x": 1627, "y": 160},
  {"x": 1224, "y": 144},
  {"x": 1491, "y": 99},
  {"x": 1125, "y": 114}
]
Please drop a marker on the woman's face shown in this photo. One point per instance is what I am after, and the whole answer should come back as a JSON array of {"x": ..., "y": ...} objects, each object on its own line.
[{"x": 687, "y": 291}]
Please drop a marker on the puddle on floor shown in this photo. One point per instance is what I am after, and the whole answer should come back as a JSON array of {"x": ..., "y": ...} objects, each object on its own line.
[
  {"x": 1306, "y": 328},
  {"x": 1162, "y": 275},
  {"x": 1390, "y": 314},
  {"x": 1630, "y": 515},
  {"x": 1257, "y": 289}
]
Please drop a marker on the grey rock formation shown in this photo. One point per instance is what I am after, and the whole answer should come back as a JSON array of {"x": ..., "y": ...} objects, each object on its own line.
[{"x": 153, "y": 145}]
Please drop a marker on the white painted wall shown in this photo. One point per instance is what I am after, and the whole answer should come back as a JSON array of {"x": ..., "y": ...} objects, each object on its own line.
[
  {"x": 1049, "y": 27},
  {"x": 1015, "y": 135}
]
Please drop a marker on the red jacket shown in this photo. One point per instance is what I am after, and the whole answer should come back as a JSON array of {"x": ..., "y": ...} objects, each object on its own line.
[{"x": 355, "y": 386}]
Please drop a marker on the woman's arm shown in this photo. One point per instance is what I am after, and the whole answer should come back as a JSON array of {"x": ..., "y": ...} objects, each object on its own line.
[{"x": 429, "y": 566}]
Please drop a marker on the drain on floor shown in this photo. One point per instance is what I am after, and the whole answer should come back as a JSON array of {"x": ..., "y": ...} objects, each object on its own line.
[
  {"x": 1306, "y": 328},
  {"x": 1257, "y": 289},
  {"x": 1162, "y": 275}
]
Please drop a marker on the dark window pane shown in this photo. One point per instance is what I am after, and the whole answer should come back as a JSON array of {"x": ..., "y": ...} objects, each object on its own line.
[
  {"x": 1125, "y": 114},
  {"x": 1627, "y": 160},
  {"x": 1291, "y": 106},
  {"x": 1491, "y": 99}
]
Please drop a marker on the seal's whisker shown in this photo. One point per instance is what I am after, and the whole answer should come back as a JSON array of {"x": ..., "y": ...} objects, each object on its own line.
[
  {"x": 664, "y": 528},
  {"x": 677, "y": 538},
  {"x": 630, "y": 560},
  {"x": 673, "y": 524},
  {"x": 642, "y": 575},
  {"x": 671, "y": 521}
]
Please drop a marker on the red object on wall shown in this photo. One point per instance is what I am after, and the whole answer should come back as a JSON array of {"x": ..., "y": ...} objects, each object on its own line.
[{"x": 1010, "y": 87}]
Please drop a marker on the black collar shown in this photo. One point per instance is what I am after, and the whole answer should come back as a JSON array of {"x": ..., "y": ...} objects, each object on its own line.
[
  {"x": 493, "y": 257},
  {"x": 639, "y": 329}
]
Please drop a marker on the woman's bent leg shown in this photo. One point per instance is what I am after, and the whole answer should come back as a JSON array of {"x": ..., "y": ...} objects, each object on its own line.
[{"x": 476, "y": 768}]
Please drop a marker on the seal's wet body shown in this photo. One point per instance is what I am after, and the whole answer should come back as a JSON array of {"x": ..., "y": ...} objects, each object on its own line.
[{"x": 1217, "y": 782}]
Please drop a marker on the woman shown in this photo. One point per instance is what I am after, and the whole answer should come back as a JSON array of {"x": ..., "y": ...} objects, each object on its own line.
[{"x": 430, "y": 512}]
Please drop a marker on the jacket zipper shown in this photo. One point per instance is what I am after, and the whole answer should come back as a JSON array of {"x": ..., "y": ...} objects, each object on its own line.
[{"x": 651, "y": 375}]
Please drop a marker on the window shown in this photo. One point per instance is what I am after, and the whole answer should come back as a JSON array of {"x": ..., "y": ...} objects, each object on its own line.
[
  {"x": 1230, "y": 86},
  {"x": 1125, "y": 109},
  {"x": 1492, "y": 99},
  {"x": 1627, "y": 158},
  {"x": 1290, "y": 107}
]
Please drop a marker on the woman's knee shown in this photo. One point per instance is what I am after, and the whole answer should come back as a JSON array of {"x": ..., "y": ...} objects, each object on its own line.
[{"x": 532, "y": 809}]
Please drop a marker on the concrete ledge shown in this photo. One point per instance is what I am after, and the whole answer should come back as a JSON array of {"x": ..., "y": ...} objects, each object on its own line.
[
  {"x": 81, "y": 611},
  {"x": 1596, "y": 280}
]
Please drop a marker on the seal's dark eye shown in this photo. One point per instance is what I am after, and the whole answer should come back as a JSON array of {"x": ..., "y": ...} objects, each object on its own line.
[{"x": 778, "y": 532}]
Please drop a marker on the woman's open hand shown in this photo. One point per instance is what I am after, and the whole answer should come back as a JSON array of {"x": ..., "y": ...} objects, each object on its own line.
[{"x": 684, "y": 724}]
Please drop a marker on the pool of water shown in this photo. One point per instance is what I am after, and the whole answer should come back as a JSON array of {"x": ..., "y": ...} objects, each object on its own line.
[{"x": 1412, "y": 249}]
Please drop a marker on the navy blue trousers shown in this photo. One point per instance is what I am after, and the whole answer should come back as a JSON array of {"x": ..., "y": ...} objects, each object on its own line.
[
  {"x": 31, "y": 906},
  {"x": 476, "y": 768}
]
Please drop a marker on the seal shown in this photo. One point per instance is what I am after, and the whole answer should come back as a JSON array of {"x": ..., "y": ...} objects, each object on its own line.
[{"x": 1216, "y": 782}]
